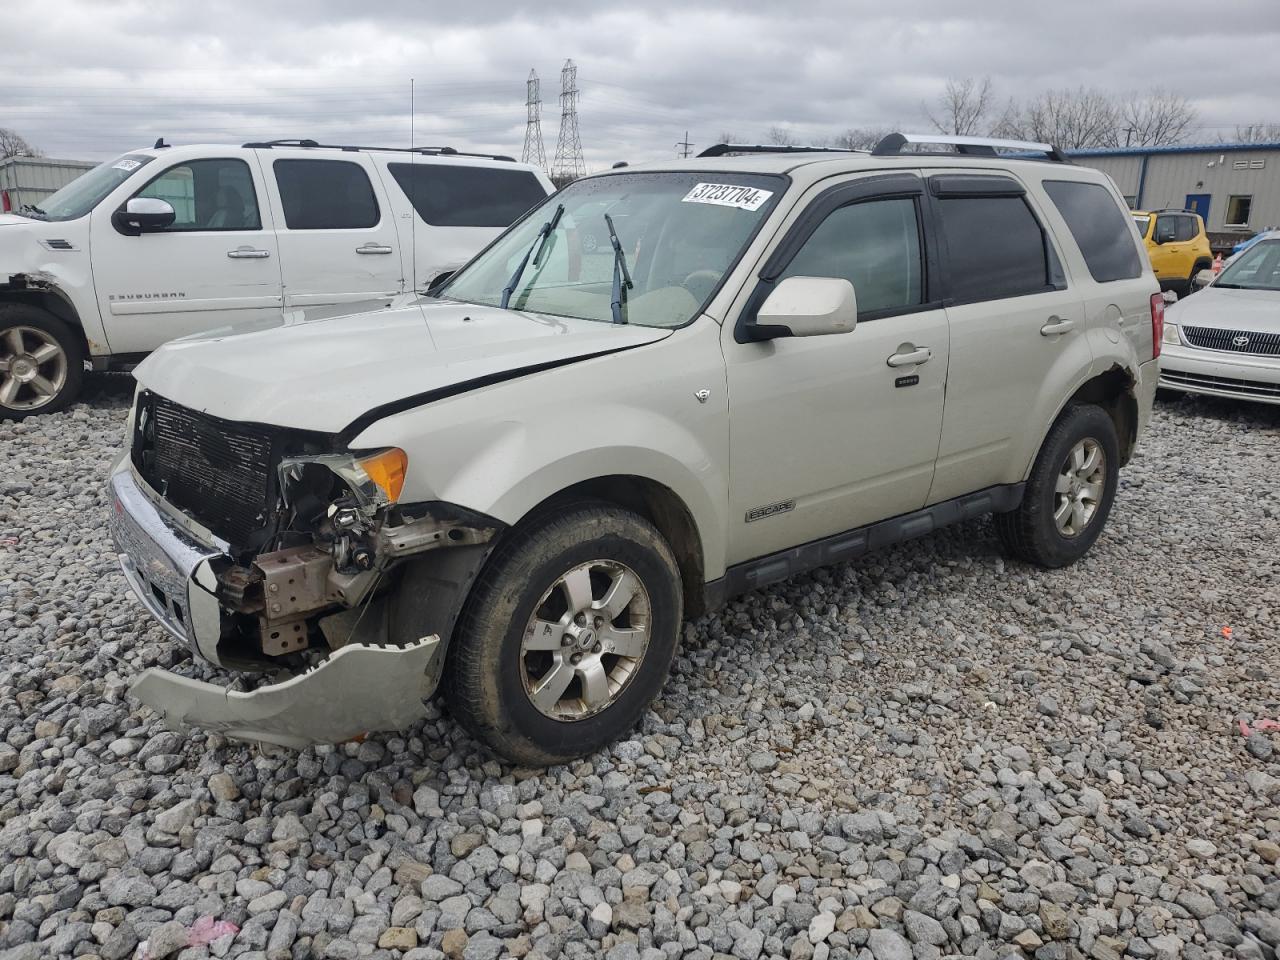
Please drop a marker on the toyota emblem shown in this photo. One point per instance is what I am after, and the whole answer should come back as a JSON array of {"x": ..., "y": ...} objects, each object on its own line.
[{"x": 1241, "y": 341}]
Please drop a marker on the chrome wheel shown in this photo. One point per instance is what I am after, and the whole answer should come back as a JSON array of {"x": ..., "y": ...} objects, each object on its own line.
[
  {"x": 33, "y": 368},
  {"x": 1079, "y": 487},
  {"x": 585, "y": 640}
]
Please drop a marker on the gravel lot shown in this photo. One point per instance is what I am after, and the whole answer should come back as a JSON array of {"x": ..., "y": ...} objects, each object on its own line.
[{"x": 931, "y": 753}]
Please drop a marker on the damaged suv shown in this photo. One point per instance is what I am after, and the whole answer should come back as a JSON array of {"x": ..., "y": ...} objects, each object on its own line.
[{"x": 662, "y": 387}]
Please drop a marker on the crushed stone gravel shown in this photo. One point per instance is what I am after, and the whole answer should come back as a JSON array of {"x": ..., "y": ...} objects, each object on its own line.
[{"x": 934, "y": 752}]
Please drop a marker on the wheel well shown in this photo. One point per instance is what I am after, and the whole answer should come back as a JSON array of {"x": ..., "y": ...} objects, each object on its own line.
[
  {"x": 51, "y": 301},
  {"x": 1113, "y": 391},
  {"x": 661, "y": 507}
]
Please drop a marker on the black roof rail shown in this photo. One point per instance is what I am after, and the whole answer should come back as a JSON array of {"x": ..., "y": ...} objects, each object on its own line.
[
  {"x": 892, "y": 144},
  {"x": 724, "y": 149},
  {"x": 425, "y": 151},
  {"x": 1174, "y": 210}
]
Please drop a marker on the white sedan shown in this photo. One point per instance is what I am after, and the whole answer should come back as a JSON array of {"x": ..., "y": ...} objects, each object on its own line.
[{"x": 1225, "y": 340}]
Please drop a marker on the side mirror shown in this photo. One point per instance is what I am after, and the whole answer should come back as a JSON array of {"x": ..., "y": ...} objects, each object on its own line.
[
  {"x": 1169, "y": 296},
  {"x": 1204, "y": 278},
  {"x": 143, "y": 215},
  {"x": 807, "y": 307}
]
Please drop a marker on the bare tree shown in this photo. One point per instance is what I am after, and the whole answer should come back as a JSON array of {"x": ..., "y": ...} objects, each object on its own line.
[
  {"x": 728, "y": 138},
  {"x": 780, "y": 136},
  {"x": 1257, "y": 133},
  {"x": 1072, "y": 119},
  {"x": 859, "y": 138},
  {"x": 13, "y": 144},
  {"x": 1155, "y": 118},
  {"x": 963, "y": 106}
]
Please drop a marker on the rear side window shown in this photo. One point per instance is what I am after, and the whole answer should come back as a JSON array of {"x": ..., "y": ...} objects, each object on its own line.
[
  {"x": 875, "y": 246},
  {"x": 1186, "y": 229},
  {"x": 995, "y": 248},
  {"x": 446, "y": 195},
  {"x": 1099, "y": 228},
  {"x": 325, "y": 195}
]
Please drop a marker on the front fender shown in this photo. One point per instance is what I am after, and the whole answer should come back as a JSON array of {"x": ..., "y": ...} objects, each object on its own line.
[{"x": 503, "y": 449}]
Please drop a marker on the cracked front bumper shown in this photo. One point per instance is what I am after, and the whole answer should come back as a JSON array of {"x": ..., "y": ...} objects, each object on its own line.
[{"x": 359, "y": 688}]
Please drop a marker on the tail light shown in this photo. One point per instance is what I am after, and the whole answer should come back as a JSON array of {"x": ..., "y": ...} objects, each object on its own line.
[
  {"x": 6, "y": 205},
  {"x": 1157, "y": 323}
]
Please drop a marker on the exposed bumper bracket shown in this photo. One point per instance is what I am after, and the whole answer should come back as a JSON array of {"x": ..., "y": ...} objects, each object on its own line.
[{"x": 358, "y": 689}]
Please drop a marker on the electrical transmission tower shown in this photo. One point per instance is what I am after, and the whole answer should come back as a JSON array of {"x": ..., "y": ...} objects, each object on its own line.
[
  {"x": 534, "y": 151},
  {"x": 568, "y": 164}
]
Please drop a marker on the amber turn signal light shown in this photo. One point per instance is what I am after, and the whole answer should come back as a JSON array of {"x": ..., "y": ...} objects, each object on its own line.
[{"x": 387, "y": 469}]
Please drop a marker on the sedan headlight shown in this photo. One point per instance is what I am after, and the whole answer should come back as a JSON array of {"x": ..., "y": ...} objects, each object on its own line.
[{"x": 1171, "y": 333}]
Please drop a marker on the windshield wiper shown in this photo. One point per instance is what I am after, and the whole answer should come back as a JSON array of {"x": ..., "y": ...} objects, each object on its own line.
[
  {"x": 32, "y": 208},
  {"x": 620, "y": 272},
  {"x": 539, "y": 242}
]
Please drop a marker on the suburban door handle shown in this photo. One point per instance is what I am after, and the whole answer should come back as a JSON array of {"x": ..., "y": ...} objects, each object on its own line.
[
  {"x": 918, "y": 355},
  {"x": 373, "y": 248},
  {"x": 1056, "y": 325},
  {"x": 248, "y": 253}
]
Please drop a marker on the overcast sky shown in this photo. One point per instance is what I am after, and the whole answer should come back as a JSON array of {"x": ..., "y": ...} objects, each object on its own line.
[{"x": 92, "y": 78}]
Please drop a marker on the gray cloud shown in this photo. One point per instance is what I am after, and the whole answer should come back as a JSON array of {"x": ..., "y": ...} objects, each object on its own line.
[{"x": 92, "y": 78}]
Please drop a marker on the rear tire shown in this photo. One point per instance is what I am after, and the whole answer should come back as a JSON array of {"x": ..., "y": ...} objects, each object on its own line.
[
  {"x": 548, "y": 662},
  {"x": 1069, "y": 494},
  {"x": 41, "y": 362}
]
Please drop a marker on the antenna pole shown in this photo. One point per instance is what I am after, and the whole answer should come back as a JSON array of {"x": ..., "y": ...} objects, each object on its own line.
[{"x": 413, "y": 210}]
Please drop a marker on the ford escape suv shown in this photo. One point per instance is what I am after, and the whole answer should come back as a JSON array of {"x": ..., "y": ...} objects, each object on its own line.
[{"x": 517, "y": 488}]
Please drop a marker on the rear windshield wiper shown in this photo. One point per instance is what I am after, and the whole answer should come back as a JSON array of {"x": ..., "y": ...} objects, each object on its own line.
[
  {"x": 539, "y": 242},
  {"x": 620, "y": 273}
]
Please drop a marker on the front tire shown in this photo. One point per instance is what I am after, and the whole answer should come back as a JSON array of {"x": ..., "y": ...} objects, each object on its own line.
[
  {"x": 567, "y": 636},
  {"x": 41, "y": 362},
  {"x": 1069, "y": 494}
]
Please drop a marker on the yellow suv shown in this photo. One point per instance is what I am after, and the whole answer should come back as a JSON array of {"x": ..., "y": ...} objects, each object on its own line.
[{"x": 1177, "y": 245}]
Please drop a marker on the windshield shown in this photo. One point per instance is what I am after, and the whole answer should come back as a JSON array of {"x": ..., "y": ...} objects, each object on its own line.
[
  {"x": 1257, "y": 268},
  {"x": 679, "y": 234},
  {"x": 1142, "y": 223},
  {"x": 85, "y": 192}
]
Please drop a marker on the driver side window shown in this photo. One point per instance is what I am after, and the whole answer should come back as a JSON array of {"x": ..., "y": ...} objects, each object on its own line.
[
  {"x": 207, "y": 195},
  {"x": 875, "y": 245}
]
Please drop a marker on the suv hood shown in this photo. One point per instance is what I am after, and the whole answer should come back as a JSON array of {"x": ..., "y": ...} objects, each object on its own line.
[
  {"x": 323, "y": 374},
  {"x": 1227, "y": 309}
]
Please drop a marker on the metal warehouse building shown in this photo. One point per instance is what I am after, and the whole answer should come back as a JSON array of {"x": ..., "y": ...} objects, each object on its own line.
[
  {"x": 1234, "y": 186},
  {"x": 26, "y": 180}
]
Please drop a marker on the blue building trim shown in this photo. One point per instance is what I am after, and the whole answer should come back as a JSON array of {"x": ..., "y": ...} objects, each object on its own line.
[{"x": 1176, "y": 148}]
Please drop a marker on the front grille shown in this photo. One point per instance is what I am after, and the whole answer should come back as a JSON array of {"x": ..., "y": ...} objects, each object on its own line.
[
  {"x": 218, "y": 471},
  {"x": 1234, "y": 341},
  {"x": 1251, "y": 388}
]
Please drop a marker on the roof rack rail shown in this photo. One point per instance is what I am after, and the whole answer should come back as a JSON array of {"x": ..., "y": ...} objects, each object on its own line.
[
  {"x": 724, "y": 149},
  {"x": 892, "y": 144},
  {"x": 1174, "y": 210},
  {"x": 426, "y": 151}
]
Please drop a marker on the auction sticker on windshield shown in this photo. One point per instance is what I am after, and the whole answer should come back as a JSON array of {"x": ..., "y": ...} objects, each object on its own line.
[
  {"x": 126, "y": 164},
  {"x": 728, "y": 195}
]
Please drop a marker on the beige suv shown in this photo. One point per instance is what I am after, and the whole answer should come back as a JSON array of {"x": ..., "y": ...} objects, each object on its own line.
[{"x": 663, "y": 386}]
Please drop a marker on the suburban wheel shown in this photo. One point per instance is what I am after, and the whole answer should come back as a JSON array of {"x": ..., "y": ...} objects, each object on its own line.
[
  {"x": 41, "y": 362},
  {"x": 1069, "y": 494},
  {"x": 567, "y": 636}
]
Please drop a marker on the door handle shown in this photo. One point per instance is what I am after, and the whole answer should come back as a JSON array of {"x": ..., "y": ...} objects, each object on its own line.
[
  {"x": 248, "y": 253},
  {"x": 373, "y": 248},
  {"x": 918, "y": 355},
  {"x": 1056, "y": 325}
]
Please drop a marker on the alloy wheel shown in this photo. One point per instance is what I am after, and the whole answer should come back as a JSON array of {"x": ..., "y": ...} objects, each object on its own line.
[
  {"x": 33, "y": 368},
  {"x": 1079, "y": 487},
  {"x": 586, "y": 640}
]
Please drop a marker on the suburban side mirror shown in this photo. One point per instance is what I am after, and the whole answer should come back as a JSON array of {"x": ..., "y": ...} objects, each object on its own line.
[
  {"x": 1204, "y": 277},
  {"x": 143, "y": 215},
  {"x": 807, "y": 307}
]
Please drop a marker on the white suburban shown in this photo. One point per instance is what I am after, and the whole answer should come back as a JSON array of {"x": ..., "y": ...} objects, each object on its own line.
[
  {"x": 664, "y": 386},
  {"x": 170, "y": 241}
]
